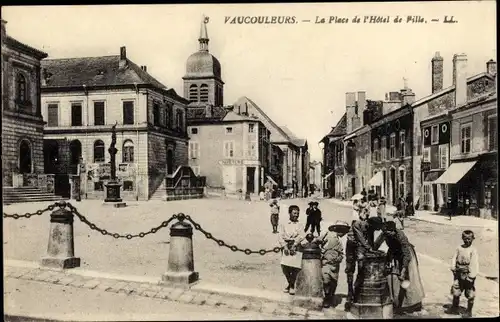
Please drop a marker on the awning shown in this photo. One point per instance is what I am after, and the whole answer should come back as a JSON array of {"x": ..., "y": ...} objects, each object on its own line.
[
  {"x": 328, "y": 175},
  {"x": 455, "y": 172},
  {"x": 272, "y": 180},
  {"x": 432, "y": 176},
  {"x": 376, "y": 180}
]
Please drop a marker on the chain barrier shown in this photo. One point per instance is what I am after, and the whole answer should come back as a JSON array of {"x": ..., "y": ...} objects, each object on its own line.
[
  {"x": 234, "y": 248},
  {"x": 164, "y": 224}
]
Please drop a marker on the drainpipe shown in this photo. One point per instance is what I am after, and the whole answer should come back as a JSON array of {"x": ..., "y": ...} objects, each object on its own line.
[
  {"x": 136, "y": 121},
  {"x": 85, "y": 90}
]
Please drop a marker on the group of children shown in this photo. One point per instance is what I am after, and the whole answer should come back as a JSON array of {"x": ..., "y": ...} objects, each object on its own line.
[{"x": 464, "y": 263}]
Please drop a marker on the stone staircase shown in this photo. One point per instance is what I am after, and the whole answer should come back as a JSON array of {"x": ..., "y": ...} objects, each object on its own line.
[
  {"x": 160, "y": 193},
  {"x": 27, "y": 194}
]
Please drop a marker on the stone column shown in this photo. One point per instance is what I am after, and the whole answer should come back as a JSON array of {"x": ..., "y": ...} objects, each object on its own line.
[
  {"x": 309, "y": 284},
  {"x": 61, "y": 248},
  {"x": 180, "y": 257}
]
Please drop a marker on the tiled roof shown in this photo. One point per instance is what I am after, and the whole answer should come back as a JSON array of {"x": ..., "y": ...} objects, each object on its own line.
[
  {"x": 340, "y": 128},
  {"x": 295, "y": 140},
  {"x": 95, "y": 71},
  {"x": 198, "y": 114}
]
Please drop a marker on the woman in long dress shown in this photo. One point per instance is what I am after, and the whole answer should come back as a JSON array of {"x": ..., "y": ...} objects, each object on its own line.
[
  {"x": 404, "y": 279},
  {"x": 291, "y": 234}
]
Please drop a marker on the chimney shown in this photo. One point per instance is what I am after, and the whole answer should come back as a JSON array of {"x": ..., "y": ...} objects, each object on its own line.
[
  {"x": 437, "y": 72},
  {"x": 350, "y": 105},
  {"x": 394, "y": 96},
  {"x": 361, "y": 105},
  {"x": 144, "y": 68},
  {"x": 4, "y": 32},
  {"x": 491, "y": 67},
  {"x": 460, "y": 78},
  {"x": 123, "y": 56},
  {"x": 407, "y": 96}
]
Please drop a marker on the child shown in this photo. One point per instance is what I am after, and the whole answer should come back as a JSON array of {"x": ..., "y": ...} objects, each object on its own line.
[
  {"x": 465, "y": 266},
  {"x": 275, "y": 215},
  {"x": 332, "y": 254},
  {"x": 399, "y": 220}
]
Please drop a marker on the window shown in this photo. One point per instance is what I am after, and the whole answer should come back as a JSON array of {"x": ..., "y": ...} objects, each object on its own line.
[
  {"x": 228, "y": 149},
  {"x": 204, "y": 93},
  {"x": 229, "y": 130},
  {"x": 53, "y": 115},
  {"x": 492, "y": 133},
  {"x": 169, "y": 116},
  {"x": 98, "y": 151},
  {"x": 128, "y": 151},
  {"x": 392, "y": 152},
  {"x": 427, "y": 154},
  {"x": 194, "y": 130},
  {"x": 194, "y": 150},
  {"x": 402, "y": 138},
  {"x": 156, "y": 114},
  {"x": 22, "y": 88},
  {"x": 465, "y": 136},
  {"x": 443, "y": 156},
  {"x": 128, "y": 112},
  {"x": 250, "y": 128},
  {"x": 180, "y": 120},
  {"x": 193, "y": 93},
  {"x": 76, "y": 114},
  {"x": 419, "y": 144},
  {"x": 401, "y": 183},
  {"x": 384, "y": 148},
  {"x": 128, "y": 185},
  {"x": 435, "y": 134},
  {"x": 376, "y": 150},
  {"x": 99, "y": 113}
]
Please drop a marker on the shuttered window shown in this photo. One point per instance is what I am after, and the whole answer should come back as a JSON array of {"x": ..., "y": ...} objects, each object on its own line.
[{"x": 53, "y": 115}]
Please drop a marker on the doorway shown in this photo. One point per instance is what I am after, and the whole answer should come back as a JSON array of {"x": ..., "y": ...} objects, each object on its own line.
[
  {"x": 170, "y": 162},
  {"x": 393, "y": 186},
  {"x": 25, "y": 157},
  {"x": 51, "y": 156},
  {"x": 75, "y": 151},
  {"x": 251, "y": 179},
  {"x": 353, "y": 186}
]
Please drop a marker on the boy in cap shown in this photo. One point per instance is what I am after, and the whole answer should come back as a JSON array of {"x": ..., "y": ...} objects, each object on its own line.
[
  {"x": 465, "y": 266},
  {"x": 332, "y": 254},
  {"x": 313, "y": 218},
  {"x": 275, "y": 215}
]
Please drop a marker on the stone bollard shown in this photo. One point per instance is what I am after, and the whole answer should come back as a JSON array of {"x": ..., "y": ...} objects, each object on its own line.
[
  {"x": 180, "y": 258},
  {"x": 309, "y": 284},
  {"x": 61, "y": 248}
]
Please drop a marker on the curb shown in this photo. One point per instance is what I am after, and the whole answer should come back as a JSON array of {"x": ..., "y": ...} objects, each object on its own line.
[
  {"x": 416, "y": 218},
  {"x": 266, "y": 302}
]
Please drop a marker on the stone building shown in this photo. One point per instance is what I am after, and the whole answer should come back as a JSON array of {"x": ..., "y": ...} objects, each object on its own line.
[
  {"x": 440, "y": 102},
  {"x": 293, "y": 154},
  {"x": 315, "y": 174},
  {"x": 22, "y": 122},
  {"x": 333, "y": 160},
  {"x": 471, "y": 180},
  {"x": 82, "y": 98},
  {"x": 231, "y": 149}
]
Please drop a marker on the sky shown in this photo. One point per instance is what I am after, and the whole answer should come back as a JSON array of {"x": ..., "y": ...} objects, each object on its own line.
[{"x": 297, "y": 73}]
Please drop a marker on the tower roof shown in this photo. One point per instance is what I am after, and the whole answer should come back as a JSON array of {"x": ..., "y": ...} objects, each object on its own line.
[{"x": 202, "y": 64}]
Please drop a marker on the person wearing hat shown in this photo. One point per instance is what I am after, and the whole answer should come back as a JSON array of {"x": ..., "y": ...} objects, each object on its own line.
[
  {"x": 275, "y": 215},
  {"x": 313, "y": 218},
  {"x": 405, "y": 283},
  {"x": 332, "y": 254}
]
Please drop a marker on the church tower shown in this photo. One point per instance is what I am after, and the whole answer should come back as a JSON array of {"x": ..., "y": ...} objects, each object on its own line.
[{"x": 203, "y": 83}]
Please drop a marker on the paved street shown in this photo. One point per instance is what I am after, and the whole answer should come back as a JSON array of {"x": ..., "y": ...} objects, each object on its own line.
[{"x": 245, "y": 224}]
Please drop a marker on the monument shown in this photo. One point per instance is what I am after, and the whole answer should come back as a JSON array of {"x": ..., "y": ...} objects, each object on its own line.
[{"x": 113, "y": 186}]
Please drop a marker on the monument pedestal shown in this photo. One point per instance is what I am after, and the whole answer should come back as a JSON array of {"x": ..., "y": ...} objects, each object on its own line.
[{"x": 113, "y": 195}]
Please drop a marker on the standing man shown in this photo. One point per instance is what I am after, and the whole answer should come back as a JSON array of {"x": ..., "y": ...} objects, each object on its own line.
[{"x": 313, "y": 218}]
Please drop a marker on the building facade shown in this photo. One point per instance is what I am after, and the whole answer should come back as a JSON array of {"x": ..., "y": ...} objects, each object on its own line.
[
  {"x": 231, "y": 150},
  {"x": 333, "y": 160},
  {"x": 83, "y": 98},
  {"x": 433, "y": 110},
  {"x": 22, "y": 122},
  {"x": 315, "y": 174}
]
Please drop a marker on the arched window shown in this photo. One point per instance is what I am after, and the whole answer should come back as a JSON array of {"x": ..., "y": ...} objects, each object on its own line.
[
  {"x": 22, "y": 88},
  {"x": 99, "y": 151},
  {"x": 25, "y": 157},
  {"x": 193, "y": 93},
  {"x": 204, "y": 93},
  {"x": 128, "y": 151}
]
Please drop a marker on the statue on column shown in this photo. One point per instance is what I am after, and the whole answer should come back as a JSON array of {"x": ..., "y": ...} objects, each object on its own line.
[{"x": 113, "y": 187}]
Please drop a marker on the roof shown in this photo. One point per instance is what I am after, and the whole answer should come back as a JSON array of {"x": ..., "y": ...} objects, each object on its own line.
[
  {"x": 14, "y": 43},
  {"x": 199, "y": 114},
  {"x": 232, "y": 116},
  {"x": 448, "y": 89},
  {"x": 340, "y": 128},
  {"x": 295, "y": 140},
  {"x": 95, "y": 71}
]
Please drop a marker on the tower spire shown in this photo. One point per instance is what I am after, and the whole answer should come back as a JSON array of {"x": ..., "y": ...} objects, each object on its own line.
[{"x": 203, "y": 40}]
